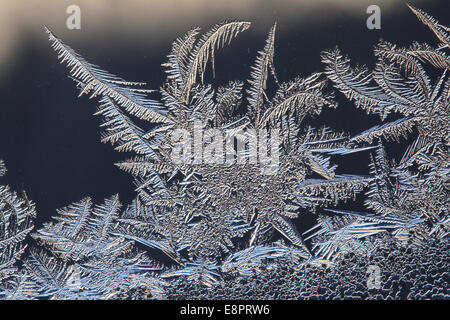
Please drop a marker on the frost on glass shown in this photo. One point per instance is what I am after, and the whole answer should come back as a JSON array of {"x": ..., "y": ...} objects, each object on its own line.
[{"x": 228, "y": 231}]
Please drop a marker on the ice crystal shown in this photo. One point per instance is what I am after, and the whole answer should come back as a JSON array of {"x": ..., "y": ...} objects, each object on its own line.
[{"x": 231, "y": 221}]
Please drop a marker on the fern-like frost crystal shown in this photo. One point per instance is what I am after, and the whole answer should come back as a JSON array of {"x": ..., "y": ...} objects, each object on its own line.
[{"x": 218, "y": 220}]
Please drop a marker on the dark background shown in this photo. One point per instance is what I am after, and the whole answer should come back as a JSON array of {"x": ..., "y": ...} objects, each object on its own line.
[{"x": 49, "y": 138}]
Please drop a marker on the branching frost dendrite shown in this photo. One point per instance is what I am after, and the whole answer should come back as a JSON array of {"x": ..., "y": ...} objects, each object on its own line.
[{"x": 216, "y": 219}]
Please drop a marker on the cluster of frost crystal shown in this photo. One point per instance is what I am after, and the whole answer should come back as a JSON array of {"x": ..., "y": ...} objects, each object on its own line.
[{"x": 231, "y": 230}]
